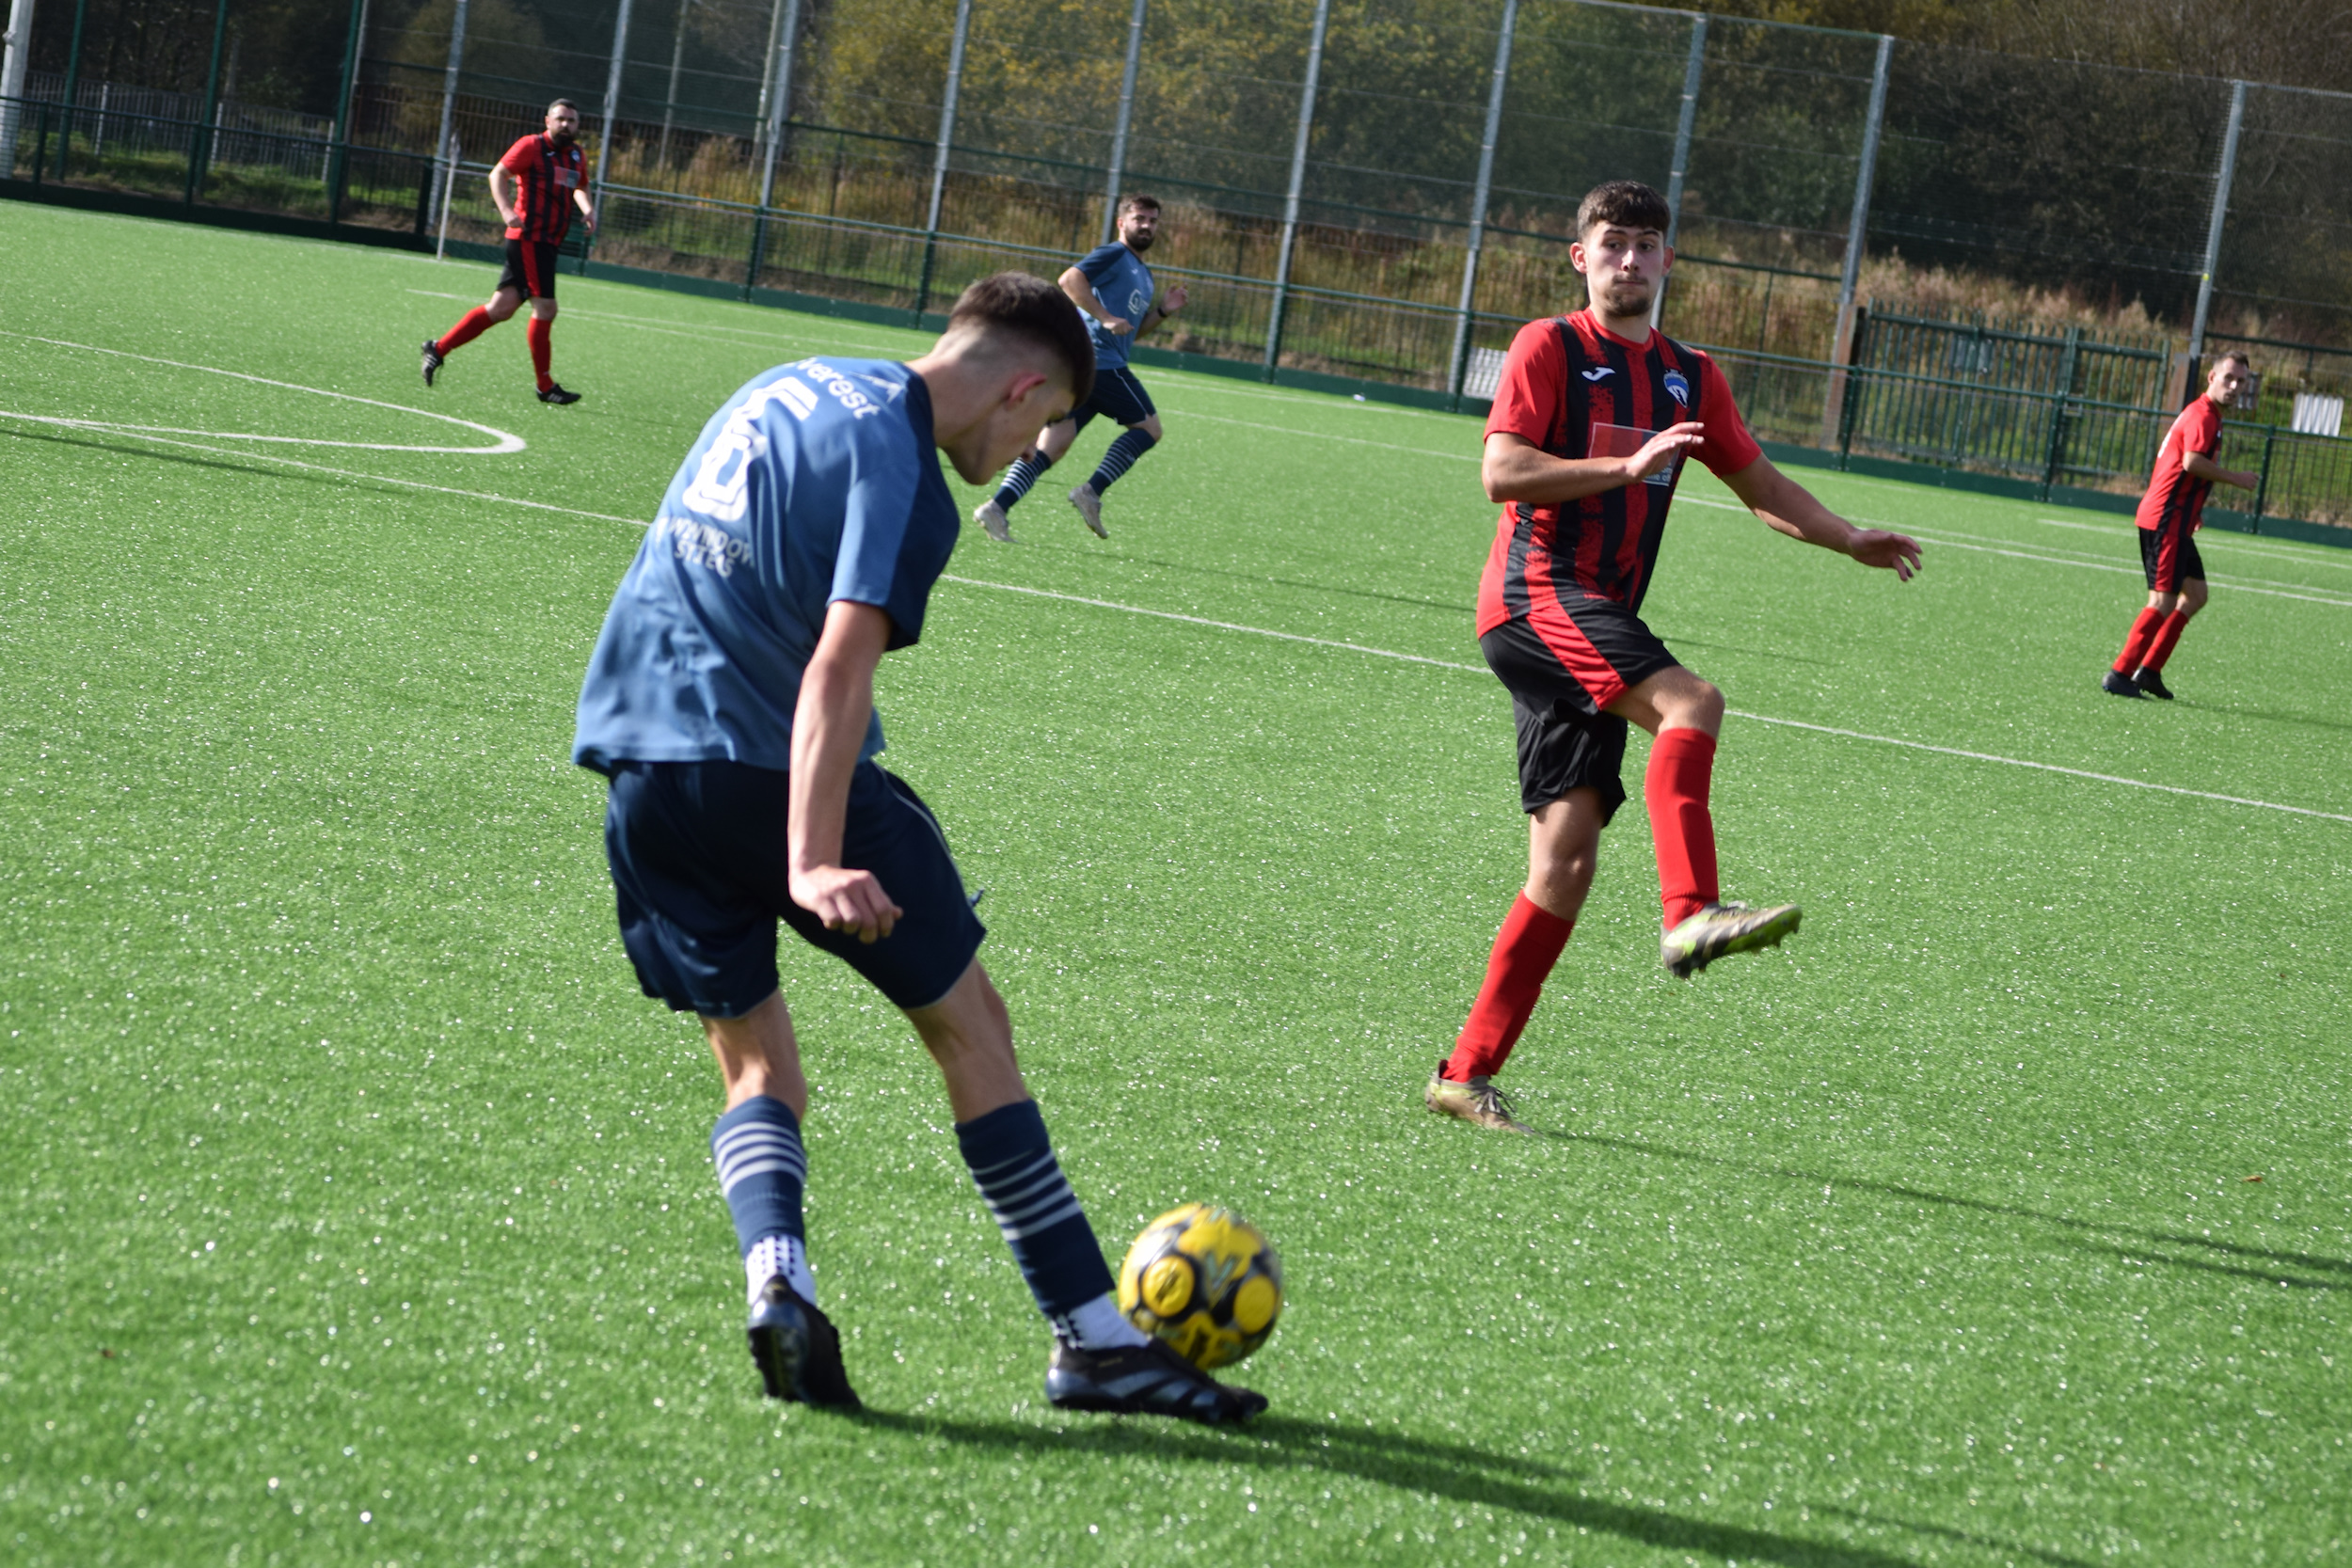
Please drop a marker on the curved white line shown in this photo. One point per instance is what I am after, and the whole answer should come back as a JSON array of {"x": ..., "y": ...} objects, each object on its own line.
[{"x": 507, "y": 440}]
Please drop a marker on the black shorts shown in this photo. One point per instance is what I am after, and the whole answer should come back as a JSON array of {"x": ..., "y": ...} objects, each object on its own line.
[
  {"x": 1565, "y": 740},
  {"x": 1119, "y": 397},
  {"x": 530, "y": 269},
  {"x": 698, "y": 852},
  {"x": 2170, "y": 559}
]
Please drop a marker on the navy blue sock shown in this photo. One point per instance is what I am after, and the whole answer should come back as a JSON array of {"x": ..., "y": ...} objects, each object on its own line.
[
  {"x": 1024, "y": 472},
  {"x": 1012, "y": 1163},
  {"x": 762, "y": 1168},
  {"x": 1130, "y": 444}
]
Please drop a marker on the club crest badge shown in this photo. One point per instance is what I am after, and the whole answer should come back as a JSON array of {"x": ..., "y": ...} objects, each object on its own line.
[{"x": 1678, "y": 387}]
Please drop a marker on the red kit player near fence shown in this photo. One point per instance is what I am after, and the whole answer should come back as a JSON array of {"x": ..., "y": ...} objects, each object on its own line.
[
  {"x": 540, "y": 183},
  {"x": 1585, "y": 441},
  {"x": 2170, "y": 515}
]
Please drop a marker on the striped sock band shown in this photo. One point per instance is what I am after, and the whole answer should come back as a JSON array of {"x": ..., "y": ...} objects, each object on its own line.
[
  {"x": 1025, "y": 472},
  {"x": 1130, "y": 444},
  {"x": 1012, "y": 1163},
  {"x": 762, "y": 1168}
]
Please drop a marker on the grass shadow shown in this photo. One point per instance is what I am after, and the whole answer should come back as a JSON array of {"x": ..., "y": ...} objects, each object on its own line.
[
  {"x": 2303, "y": 720},
  {"x": 1415, "y": 1466},
  {"x": 2282, "y": 1269}
]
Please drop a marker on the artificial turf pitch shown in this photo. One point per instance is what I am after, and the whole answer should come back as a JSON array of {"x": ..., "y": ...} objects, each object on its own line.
[{"x": 359, "y": 1209}]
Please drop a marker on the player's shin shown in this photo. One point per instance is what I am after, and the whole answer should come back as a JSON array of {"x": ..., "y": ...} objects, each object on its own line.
[
  {"x": 541, "y": 334},
  {"x": 1682, "y": 770},
  {"x": 2168, "y": 637},
  {"x": 473, "y": 325},
  {"x": 1130, "y": 444},
  {"x": 762, "y": 1169},
  {"x": 2146, "y": 626},
  {"x": 1025, "y": 472},
  {"x": 1012, "y": 1163},
  {"x": 1525, "y": 950}
]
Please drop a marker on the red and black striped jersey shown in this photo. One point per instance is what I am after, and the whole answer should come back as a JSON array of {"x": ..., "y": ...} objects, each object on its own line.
[
  {"x": 2176, "y": 498},
  {"x": 1576, "y": 389},
  {"x": 544, "y": 179}
]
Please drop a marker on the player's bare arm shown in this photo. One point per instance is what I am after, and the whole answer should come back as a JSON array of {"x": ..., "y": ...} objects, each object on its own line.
[
  {"x": 829, "y": 722},
  {"x": 1169, "y": 303},
  {"x": 2198, "y": 465},
  {"x": 1082, "y": 294},
  {"x": 502, "y": 192},
  {"x": 587, "y": 209},
  {"x": 1791, "y": 509},
  {"x": 1516, "y": 469}
]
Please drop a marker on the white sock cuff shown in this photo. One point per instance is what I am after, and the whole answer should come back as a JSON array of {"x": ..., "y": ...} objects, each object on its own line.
[
  {"x": 772, "y": 1255},
  {"x": 1096, "y": 1326}
]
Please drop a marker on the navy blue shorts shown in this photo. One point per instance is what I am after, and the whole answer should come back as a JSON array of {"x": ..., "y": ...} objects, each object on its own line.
[
  {"x": 700, "y": 862},
  {"x": 1118, "y": 397}
]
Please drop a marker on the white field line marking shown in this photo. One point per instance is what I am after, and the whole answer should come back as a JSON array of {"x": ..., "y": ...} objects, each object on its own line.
[
  {"x": 1322, "y": 435},
  {"x": 387, "y": 479},
  {"x": 682, "y": 329},
  {"x": 1955, "y": 542},
  {"x": 2088, "y": 559},
  {"x": 1755, "y": 718},
  {"x": 2276, "y": 549},
  {"x": 507, "y": 441}
]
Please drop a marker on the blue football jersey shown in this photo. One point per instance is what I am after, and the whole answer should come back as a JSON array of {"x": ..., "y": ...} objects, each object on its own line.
[
  {"x": 816, "y": 482},
  {"x": 1123, "y": 284}
]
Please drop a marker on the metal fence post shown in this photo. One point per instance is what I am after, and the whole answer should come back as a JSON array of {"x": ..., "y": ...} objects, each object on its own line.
[
  {"x": 669, "y": 103},
  {"x": 767, "y": 77},
  {"x": 14, "y": 59},
  {"x": 939, "y": 159},
  {"x": 1299, "y": 180},
  {"x": 1685, "y": 123},
  {"x": 1858, "y": 228},
  {"x": 448, "y": 108},
  {"x": 607, "y": 137},
  {"x": 1126, "y": 117},
  {"x": 2213, "y": 227},
  {"x": 1459, "y": 367},
  {"x": 201, "y": 137},
  {"x": 777, "y": 113},
  {"x": 2054, "y": 452},
  {"x": 449, "y": 189},
  {"x": 342, "y": 164},
  {"x": 2262, "y": 488},
  {"x": 73, "y": 79}
]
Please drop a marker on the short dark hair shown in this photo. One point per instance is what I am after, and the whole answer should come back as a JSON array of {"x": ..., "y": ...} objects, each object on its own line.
[
  {"x": 1138, "y": 203},
  {"x": 1624, "y": 203},
  {"x": 562, "y": 104},
  {"x": 2236, "y": 354},
  {"x": 1037, "y": 312}
]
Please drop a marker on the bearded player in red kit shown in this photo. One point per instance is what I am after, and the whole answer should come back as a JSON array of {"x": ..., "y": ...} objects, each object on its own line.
[
  {"x": 538, "y": 185},
  {"x": 1585, "y": 443}
]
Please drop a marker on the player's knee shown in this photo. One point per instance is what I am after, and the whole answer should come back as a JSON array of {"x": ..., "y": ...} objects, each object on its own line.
[
  {"x": 1699, "y": 706},
  {"x": 1152, "y": 427}
]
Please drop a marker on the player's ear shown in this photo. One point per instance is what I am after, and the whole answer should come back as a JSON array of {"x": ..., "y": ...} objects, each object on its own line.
[{"x": 1026, "y": 381}]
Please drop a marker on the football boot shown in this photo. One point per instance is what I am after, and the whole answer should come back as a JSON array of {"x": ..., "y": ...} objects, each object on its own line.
[
  {"x": 2119, "y": 685},
  {"x": 555, "y": 394},
  {"x": 1149, "y": 1379},
  {"x": 2152, "y": 683},
  {"x": 991, "y": 517},
  {"x": 797, "y": 1350},
  {"x": 1090, "y": 507},
  {"x": 433, "y": 359},
  {"x": 1721, "y": 929},
  {"x": 1472, "y": 1099}
]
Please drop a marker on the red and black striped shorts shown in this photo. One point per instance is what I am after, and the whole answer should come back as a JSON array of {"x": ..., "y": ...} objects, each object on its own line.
[{"x": 1561, "y": 673}]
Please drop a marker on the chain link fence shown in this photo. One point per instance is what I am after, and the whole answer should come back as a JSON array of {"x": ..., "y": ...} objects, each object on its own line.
[{"x": 1897, "y": 250}]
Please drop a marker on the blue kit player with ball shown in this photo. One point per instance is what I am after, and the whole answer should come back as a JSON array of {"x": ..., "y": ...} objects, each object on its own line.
[{"x": 730, "y": 702}]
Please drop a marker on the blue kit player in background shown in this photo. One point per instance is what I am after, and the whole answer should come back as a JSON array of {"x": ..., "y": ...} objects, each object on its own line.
[
  {"x": 730, "y": 702},
  {"x": 1121, "y": 303}
]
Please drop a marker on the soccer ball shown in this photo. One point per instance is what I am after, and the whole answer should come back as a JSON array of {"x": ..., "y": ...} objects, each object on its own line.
[{"x": 1205, "y": 1280}]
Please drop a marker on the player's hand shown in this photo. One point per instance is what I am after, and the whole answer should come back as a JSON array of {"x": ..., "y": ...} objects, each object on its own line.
[
  {"x": 1877, "y": 547},
  {"x": 1662, "y": 449},
  {"x": 1174, "y": 300},
  {"x": 2245, "y": 481},
  {"x": 1114, "y": 324},
  {"x": 845, "y": 901}
]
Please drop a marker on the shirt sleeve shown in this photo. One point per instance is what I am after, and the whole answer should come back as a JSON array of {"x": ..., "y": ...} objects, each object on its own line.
[
  {"x": 1727, "y": 447},
  {"x": 2201, "y": 429},
  {"x": 1100, "y": 262},
  {"x": 520, "y": 156},
  {"x": 1527, "y": 393},
  {"x": 881, "y": 502}
]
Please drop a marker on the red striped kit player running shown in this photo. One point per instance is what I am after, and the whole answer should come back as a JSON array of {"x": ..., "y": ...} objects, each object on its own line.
[
  {"x": 2169, "y": 515},
  {"x": 1585, "y": 442},
  {"x": 538, "y": 185}
]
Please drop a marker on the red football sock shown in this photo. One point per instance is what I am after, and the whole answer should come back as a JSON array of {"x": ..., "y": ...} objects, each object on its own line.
[
  {"x": 473, "y": 325},
  {"x": 1681, "y": 766},
  {"x": 2143, "y": 636},
  {"x": 542, "y": 352},
  {"x": 2165, "y": 640},
  {"x": 1525, "y": 949}
]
